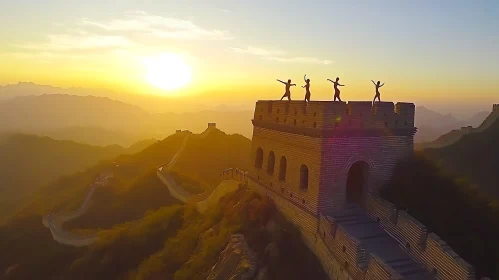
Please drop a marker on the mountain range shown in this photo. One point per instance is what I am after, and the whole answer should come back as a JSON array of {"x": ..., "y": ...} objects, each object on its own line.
[
  {"x": 432, "y": 124},
  {"x": 96, "y": 117}
]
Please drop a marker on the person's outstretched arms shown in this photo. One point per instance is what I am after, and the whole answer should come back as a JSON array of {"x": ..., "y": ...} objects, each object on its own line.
[
  {"x": 303, "y": 86},
  {"x": 330, "y": 80},
  {"x": 373, "y": 82},
  {"x": 341, "y": 85},
  {"x": 305, "y": 78},
  {"x": 382, "y": 84},
  {"x": 281, "y": 81},
  {"x": 292, "y": 84}
]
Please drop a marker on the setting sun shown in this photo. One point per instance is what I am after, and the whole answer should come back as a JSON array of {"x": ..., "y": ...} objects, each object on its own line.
[{"x": 167, "y": 71}]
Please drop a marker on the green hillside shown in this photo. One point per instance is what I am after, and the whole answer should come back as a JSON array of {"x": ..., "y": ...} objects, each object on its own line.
[
  {"x": 28, "y": 162},
  {"x": 145, "y": 233},
  {"x": 475, "y": 157},
  {"x": 68, "y": 192},
  {"x": 206, "y": 155},
  {"x": 136, "y": 188}
]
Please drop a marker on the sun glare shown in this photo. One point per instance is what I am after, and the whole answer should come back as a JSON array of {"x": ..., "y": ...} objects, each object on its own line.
[{"x": 167, "y": 71}]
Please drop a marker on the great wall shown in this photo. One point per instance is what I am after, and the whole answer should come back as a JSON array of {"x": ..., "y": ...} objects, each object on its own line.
[
  {"x": 333, "y": 158},
  {"x": 354, "y": 233},
  {"x": 55, "y": 221}
]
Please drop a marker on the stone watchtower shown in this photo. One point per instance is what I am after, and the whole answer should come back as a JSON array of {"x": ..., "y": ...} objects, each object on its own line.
[{"x": 324, "y": 154}]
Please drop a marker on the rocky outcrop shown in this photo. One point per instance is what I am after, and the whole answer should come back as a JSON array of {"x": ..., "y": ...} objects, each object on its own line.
[{"x": 236, "y": 262}]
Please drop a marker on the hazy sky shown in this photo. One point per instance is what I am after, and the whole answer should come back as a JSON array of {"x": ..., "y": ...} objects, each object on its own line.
[{"x": 425, "y": 51}]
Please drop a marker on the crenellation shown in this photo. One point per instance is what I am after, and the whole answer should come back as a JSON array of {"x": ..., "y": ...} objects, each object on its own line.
[
  {"x": 331, "y": 115},
  {"x": 359, "y": 108},
  {"x": 411, "y": 231},
  {"x": 426, "y": 247},
  {"x": 495, "y": 108},
  {"x": 381, "y": 209},
  {"x": 384, "y": 108}
]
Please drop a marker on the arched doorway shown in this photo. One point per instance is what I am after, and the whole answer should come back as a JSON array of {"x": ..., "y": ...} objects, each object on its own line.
[{"x": 356, "y": 181}]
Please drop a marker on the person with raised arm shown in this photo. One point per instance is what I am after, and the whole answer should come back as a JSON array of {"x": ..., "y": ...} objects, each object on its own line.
[
  {"x": 377, "y": 85},
  {"x": 287, "y": 93},
  {"x": 336, "y": 89},
  {"x": 307, "y": 88}
]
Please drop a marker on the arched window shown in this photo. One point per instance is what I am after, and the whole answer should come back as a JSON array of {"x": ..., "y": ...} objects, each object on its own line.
[
  {"x": 282, "y": 169},
  {"x": 259, "y": 158},
  {"x": 271, "y": 163},
  {"x": 304, "y": 177}
]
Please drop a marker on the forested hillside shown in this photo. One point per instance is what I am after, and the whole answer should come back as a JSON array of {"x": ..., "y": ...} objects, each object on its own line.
[
  {"x": 28, "y": 162},
  {"x": 456, "y": 210},
  {"x": 144, "y": 232},
  {"x": 475, "y": 157}
]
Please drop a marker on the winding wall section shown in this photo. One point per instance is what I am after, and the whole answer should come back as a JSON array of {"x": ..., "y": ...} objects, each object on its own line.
[{"x": 55, "y": 221}]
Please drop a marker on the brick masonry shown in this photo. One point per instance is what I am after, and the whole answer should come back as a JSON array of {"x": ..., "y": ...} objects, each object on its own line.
[{"x": 327, "y": 139}]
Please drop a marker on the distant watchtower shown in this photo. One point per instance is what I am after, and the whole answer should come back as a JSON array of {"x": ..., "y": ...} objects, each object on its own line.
[
  {"x": 324, "y": 154},
  {"x": 212, "y": 125}
]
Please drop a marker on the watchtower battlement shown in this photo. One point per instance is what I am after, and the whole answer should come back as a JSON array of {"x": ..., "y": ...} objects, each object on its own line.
[
  {"x": 340, "y": 116},
  {"x": 495, "y": 108},
  {"x": 306, "y": 151}
]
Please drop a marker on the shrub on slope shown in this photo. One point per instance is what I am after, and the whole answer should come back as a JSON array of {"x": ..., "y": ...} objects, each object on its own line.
[
  {"x": 125, "y": 246},
  {"x": 201, "y": 238}
]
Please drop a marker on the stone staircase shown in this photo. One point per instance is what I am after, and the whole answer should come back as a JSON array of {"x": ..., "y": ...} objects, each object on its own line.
[{"x": 378, "y": 242}]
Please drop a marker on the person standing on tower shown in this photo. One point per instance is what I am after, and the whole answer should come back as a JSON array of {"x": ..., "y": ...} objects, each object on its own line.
[
  {"x": 336, "y": 89},
  {"x": 287, "y": 93},
  {"x": 307, "y": 88},
  {"x": 377, "y": 85}
]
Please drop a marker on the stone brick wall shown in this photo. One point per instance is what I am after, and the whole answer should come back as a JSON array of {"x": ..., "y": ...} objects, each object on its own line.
[
  {"x": 328, "y": 138},
  {"x": 339, "y": 154},
  {"x": 427, "y": 248},
  {"x": 298, "y": 150}
]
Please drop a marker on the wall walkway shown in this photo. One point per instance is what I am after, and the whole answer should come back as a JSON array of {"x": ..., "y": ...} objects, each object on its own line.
[{"x": 55, "y": 221}]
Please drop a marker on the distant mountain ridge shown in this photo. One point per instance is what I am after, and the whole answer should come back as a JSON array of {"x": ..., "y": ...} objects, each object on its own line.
[
  {"x": 474, "y": 155},
  {"x": 60, "y": 110},
  {"x": 68, "y": 116},
  {"x": 132, "y": 121},
  {"x": 432, "y": 125}
]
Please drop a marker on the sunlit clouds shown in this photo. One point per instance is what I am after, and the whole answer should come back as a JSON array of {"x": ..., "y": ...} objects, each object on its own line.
[
  {"x": 157, "y": 26},
  {"x": 280, "y": 56}
]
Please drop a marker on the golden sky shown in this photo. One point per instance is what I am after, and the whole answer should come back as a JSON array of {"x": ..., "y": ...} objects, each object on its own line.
[{"x": 423, "y": 51}]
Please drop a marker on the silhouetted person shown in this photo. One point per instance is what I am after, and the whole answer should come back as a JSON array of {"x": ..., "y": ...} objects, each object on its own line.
[
  {"x": 336, "y": 89},
  {"x": 377, "y": 85},
  {"x": 307, "y": 88},
  {"x": 287, "y": 93}
]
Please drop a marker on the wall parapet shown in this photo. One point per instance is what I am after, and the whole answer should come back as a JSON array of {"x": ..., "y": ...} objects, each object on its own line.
[
  {"x": 352, "y": 254},
  {"x": 427, "y": 248},
  {"x": 332, "y": 114},
  {"x": 234, "y": 174}
]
